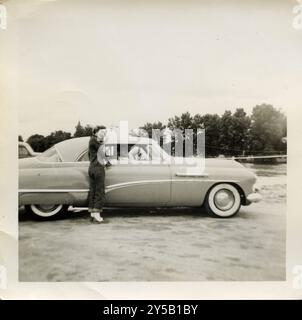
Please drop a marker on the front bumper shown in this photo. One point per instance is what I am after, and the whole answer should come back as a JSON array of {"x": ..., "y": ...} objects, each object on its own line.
[{"x": 254, "y": 197}]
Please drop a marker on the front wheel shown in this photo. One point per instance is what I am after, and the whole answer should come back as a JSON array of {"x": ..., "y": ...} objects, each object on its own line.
[
  {"x": 223, "y": 201},
  {"x": 46, "y": 212}
]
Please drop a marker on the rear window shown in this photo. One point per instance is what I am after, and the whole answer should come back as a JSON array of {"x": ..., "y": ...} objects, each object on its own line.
[
  {"x": 49, "y": 155},
  {"x": 23, "y": 152}
]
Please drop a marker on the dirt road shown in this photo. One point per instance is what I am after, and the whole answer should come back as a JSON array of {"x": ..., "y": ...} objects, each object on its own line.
[{"x": 162, "y": 245}]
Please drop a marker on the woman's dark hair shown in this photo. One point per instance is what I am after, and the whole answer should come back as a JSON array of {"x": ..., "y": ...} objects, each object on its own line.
[{"x": 97, "y": 128}]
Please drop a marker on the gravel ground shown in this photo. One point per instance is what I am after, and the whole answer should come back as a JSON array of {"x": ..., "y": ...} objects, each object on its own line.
[{"x": 163, "y": 244}]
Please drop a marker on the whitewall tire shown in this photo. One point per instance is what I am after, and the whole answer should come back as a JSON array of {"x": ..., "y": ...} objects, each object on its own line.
[
  {"x": 46, "y": 212},
  {"x": 223, "y": 201}
]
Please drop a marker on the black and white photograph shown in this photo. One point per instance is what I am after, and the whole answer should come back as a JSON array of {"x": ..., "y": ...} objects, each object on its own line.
[{"x": 150, "y": 142}]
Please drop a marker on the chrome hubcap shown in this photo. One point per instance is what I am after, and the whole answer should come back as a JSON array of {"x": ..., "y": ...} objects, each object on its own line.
[{"x": 224, "y": 199}]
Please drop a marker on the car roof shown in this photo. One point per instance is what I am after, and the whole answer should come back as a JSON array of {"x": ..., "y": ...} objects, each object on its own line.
[{"x": 71, "y": 149}]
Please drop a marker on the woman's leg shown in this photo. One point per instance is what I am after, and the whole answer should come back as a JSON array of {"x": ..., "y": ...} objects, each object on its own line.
[
  {"x": 92, "y": 188},
  {"x": 99, "y": 196}
]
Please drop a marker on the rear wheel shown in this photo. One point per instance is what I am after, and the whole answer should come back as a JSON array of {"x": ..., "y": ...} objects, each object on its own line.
[
  {"x": 223, "y": 201},
  {"x": 46, "y": 212}
]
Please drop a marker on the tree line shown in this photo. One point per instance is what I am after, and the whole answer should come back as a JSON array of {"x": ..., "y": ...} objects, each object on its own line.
[
  {"x": 235, "y": 134},
  {"x": 230, "y": 134}
]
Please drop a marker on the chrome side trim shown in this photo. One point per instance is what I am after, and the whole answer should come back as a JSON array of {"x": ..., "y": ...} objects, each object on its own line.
[
  {"x": 134, "y": 183},
  {"x": 51, "y": 190},
  {"x": 115, "y": 186}
]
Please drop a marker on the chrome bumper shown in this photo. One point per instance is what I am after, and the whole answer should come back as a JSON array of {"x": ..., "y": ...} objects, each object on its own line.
[{"x": 254, "y": 197}]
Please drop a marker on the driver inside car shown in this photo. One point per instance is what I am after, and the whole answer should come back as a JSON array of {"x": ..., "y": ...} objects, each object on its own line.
[{"x": 138, "y": 153}]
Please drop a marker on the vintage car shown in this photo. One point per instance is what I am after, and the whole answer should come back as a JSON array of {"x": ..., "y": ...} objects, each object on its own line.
[
  {"x": 58, "y": 179},
  {"x": 26, "y": 151}
]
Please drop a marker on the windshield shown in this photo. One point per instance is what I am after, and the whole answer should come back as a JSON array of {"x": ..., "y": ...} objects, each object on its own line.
[{"x": 49, "y": 155}]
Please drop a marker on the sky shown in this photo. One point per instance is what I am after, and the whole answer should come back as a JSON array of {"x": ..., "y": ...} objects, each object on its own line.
[{"x": 100, "y": 62}]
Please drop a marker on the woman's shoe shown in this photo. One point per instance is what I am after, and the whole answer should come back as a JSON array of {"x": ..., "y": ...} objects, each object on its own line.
[
  {"x": 91, "y": 216},
  {"x": 97, "y": 217}
]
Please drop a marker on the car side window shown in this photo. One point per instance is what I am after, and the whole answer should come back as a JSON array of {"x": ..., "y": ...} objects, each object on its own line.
[
  {"x": 111, "y": 151},
  {"x": 134, "y": 153},
  {"x": 84, "y": 157},
  {"x": 139, "y": 153}
]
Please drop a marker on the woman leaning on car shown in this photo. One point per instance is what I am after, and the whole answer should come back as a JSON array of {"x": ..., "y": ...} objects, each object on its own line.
[{"x": 96, "y": 171}]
